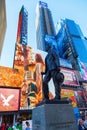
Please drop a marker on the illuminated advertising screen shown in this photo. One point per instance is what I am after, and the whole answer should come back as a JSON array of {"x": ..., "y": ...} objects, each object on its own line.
[
  {"x": 81, "y": 98},
  {"x": 9, "y": 99},
  {"x": 31, "y": 64},
  {"x": 83, "y": 70},
  {"x": 19, "y": 28},
  {"x": 66, "y": 93},
  {"x": 69, "y": 77},
  {"x": 65, "y": 63}
]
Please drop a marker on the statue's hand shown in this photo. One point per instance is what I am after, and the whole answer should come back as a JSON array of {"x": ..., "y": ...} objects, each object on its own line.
[
  {"x": 42, "y": 73},
  {"x": 58, "y": 69}
]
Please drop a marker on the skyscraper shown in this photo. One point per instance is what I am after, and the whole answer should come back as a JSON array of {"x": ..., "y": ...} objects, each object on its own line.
[
  {"x": 44, "y": 24},
  {"x": 21, "y": 52},
  {"x": 22, "y": 27},
  {"x": 23, "y": 55},
  {"x": 71, "y": 42}
]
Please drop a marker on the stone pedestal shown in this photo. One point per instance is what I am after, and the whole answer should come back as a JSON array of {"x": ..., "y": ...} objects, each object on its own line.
[{"x": 54, "y": 117}]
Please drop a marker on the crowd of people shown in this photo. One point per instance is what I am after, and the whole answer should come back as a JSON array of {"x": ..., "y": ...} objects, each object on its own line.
[
  {"x": 10, "y": 126},
  {"x": 17, "y": 126},
  {"x": 82, "y": 125}
]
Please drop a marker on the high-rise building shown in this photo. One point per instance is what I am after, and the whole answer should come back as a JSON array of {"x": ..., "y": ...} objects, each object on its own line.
[
  {"x": 20, "y": 54},
  {"x": 71, "y": 42},
  {"x": 2, "y": 23},
  {"x": 22, "y": 27},
  {"x": 44, "y": 24}
]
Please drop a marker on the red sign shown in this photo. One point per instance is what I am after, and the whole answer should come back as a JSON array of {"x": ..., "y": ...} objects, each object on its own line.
[
  {"x": 9, "y": 99},
  {"x": 70, "y": 77}
]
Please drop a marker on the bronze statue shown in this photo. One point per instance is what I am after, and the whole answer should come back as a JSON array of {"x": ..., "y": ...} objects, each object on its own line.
[{"x": 52, "y": 70}]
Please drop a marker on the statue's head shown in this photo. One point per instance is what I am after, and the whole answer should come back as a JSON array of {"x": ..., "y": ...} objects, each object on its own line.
[{"x": 48, "y": 46}]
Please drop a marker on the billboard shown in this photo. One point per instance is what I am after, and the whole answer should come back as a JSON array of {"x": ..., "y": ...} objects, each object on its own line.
[
  {"x": 66, "y": 93},
  {"x": 83, "y": 70},
  {"x": 65, "y": 63},
  {"x": 9, "y": 99},
  {"x": 30, "y": 64},
  {"x": 70, "y": 77},
  {"x": 43, "y": 4},
  {"x": 77, "y": 98},
  {"x": 81, "y": 98}
]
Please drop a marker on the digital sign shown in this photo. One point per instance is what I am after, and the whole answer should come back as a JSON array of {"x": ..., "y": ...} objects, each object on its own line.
[
  {"x": 66, "y": 93},
  {"x": 65, "y": 63},
  {"x": 9, "y": 99},
  {"x": 43, "y": 4},
  {"x": 83, "y": 70},
  {"x": 81, "y": 98},
  {"x": 69, "y": 77}
]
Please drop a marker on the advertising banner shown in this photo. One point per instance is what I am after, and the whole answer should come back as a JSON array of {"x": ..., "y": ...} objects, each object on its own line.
[
  {"x": 77, "y": 98},
  {"x": 9, "y": 99},
  {"x": 69, "y": 77},
  {"x": 66, "y": 93},
  {"x": 81, "y": 99},
  {"x": 83, "y": 70},
  {"x": 43, "y": 4}
]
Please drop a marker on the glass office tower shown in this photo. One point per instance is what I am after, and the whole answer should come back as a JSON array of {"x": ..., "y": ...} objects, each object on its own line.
[
  {"x": 20, "y": 54},
  {"x": 44, "y": 24},
  {"x": 22, "y": 27},
  {"x": 71, "y": 42}
]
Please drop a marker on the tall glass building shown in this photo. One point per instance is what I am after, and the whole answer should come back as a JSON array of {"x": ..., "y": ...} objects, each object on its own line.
[
  {"x": 22, "y": 27},
  {"x": 20, "y": 54},
  {"x": 44, "y": 24},
  {"x": 71, "y": 42}
]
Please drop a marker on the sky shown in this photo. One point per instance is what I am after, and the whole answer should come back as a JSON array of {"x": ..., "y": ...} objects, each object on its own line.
[{"x": 60, "y": 9}]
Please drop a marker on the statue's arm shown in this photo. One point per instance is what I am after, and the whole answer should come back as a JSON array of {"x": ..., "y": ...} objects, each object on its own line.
[
  {"x": 56, "y": 58},
  {"x": 42, "y": 73}
]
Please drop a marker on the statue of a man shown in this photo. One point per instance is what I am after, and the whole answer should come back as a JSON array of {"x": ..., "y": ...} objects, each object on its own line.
[{"x": 52, "y": 70}]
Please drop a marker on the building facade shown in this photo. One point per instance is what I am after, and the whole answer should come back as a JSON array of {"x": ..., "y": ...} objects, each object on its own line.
[
  {"x": 71, "y": 43},
  {"x": 2, "y": 23},
  {"x": 21, "y": 54},
  {"x": 44, "y": 24}
]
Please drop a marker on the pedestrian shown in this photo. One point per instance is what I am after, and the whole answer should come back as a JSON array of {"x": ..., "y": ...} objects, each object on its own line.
[
  {"x": 7, "y": 126},
  {"x": 27, "y": 125},
  {"x": 81, "y": 125},
  {"x": 3, "y": 126}
]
